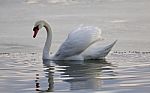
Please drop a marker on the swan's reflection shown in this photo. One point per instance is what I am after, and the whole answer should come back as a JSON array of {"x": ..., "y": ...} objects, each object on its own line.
[{"x": 77, "y": 74}]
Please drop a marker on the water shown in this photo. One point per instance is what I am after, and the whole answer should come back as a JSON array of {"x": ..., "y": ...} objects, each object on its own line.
[
  {"x": 119, "y": 73},
  {"x": 126, "y": 69}
]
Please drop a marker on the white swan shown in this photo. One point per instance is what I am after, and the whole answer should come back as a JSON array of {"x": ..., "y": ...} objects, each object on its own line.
[{"x": 81, "y": 44}]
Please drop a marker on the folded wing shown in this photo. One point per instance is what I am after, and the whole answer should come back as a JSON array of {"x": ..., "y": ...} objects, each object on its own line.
[{"x": 78, "y": 41}]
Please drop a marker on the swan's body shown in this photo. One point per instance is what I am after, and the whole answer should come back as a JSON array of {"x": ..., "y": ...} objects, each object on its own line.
[{"x": 82, "y": 43}]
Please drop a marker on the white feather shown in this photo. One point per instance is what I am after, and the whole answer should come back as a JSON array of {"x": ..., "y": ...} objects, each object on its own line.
[{"x": 78, "y": 41}]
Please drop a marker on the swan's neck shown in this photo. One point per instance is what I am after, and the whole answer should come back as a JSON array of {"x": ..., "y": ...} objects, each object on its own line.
[{"x": 47, "y": 46}]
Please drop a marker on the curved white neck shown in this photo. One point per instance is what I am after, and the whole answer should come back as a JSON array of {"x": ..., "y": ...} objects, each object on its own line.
[{"x": 47, "y": 46}]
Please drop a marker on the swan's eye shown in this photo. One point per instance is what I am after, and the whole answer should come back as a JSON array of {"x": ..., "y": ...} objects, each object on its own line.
[{"x": 35, "y": 29}]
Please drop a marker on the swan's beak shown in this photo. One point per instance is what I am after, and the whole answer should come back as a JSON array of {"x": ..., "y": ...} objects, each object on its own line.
[{"x": 35, "y": 30}]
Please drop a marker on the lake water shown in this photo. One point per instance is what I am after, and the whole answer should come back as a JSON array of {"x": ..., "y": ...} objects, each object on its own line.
[{"x": 125, "y": 70}]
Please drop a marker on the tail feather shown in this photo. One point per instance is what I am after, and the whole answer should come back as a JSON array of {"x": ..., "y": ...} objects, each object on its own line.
[{"x": 98, "y": 52}]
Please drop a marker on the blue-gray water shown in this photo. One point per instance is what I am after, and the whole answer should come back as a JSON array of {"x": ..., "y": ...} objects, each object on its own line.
[{"x": 126, "y": 69}]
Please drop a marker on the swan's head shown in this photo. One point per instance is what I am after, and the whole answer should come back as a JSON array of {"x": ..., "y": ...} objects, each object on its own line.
[{"x": 38, "y": 25}]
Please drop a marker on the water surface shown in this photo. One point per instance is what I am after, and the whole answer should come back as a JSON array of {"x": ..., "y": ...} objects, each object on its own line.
[{"x": 119, "y": 73}]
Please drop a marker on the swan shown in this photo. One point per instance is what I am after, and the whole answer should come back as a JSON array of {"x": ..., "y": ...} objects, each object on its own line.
[{"x": 83, "y": 43}]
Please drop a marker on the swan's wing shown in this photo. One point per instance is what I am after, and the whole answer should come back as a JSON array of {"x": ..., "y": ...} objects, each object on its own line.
[
  {"x": 98, "y": 50},
  {"x": 78, "y": 41}
]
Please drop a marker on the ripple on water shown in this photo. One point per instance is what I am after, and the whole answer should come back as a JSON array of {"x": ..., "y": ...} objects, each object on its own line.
[{"x": 24, "y": 72}]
